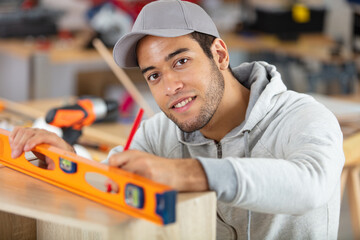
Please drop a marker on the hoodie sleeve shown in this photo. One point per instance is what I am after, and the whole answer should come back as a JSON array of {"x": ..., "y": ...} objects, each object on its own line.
[{"x": 299, "y": 169}]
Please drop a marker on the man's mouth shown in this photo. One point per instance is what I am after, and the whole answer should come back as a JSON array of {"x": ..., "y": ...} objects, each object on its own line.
[{"x": 183, "y": 102}]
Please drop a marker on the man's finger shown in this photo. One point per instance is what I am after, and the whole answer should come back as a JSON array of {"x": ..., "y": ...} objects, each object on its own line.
[
  {"x": 50, "y": 163},
  {"x": 118, "y": 159},
  {"x": 25, "y": 139},
  {"x": 13, "y": 133},
  {"x": 41, "y": 136},
  {"x": 19, "y": 141}
]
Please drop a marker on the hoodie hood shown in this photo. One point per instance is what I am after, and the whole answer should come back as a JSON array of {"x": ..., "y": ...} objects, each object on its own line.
[{"x": 264, "y": 83}]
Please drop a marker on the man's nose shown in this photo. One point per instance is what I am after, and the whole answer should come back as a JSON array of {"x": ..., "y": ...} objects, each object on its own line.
[{"x": 172, "y": 84}]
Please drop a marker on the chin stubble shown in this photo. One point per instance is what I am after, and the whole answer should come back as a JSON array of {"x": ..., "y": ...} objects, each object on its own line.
[{"x": 213, "y": 96}]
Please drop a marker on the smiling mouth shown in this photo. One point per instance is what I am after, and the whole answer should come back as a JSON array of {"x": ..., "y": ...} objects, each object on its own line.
[{"x": 183, "y": 102}]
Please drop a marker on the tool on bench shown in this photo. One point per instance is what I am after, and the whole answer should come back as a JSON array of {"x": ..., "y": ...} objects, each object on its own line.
[
  {"x": 72, "y": 118},
  {"x": 137, "y": 196}
]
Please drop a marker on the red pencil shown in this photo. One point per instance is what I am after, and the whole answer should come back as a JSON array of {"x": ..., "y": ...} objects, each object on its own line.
[{"x": 134, "y": 128}]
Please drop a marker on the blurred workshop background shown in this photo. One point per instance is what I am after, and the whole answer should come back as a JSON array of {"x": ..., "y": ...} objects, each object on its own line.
[
  {"x": 46, "y": 45},
  {"x": 46, "y": 48}
]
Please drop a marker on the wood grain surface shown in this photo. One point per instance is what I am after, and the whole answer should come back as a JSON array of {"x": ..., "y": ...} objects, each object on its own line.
[{"x": 64, "y": 215}]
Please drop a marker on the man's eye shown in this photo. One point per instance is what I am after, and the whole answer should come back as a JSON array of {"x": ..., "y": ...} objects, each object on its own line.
[
  {"x": 181, "y": 62},
  {"x": 153, "y": 77}
]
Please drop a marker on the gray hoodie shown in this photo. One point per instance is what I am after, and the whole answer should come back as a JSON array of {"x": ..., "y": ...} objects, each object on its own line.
[{"x": 276, "y": 175}]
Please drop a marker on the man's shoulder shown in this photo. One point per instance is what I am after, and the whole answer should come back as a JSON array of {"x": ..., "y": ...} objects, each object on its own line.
[
  {"x": 305, "y": 104},
  {"x": 291, "y": 97}
]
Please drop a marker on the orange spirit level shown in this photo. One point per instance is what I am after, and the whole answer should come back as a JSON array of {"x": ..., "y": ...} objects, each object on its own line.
[{"x": 137, "y": 196}]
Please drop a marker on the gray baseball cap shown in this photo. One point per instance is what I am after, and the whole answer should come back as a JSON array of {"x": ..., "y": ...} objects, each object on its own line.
[{"x": 163, "y": 18}]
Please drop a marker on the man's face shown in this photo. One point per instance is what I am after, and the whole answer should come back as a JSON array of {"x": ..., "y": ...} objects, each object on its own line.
[{"x": 185, "y": 83}]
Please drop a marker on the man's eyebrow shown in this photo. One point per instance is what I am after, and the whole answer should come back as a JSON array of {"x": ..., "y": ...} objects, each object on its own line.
[
  {"x": 167, "y": 58},
  {"x": 171, "y": 55},
  {"x": 147, "y": 69}
]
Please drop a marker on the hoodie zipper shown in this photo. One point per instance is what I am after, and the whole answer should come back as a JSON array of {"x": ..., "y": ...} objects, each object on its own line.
[
  {"x": 219, "y": 150},
  {"x": 218, "y": 213}
]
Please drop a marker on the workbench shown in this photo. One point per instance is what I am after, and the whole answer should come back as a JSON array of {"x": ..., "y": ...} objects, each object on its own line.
[
  {"x": 314, "y": 46},
  {"x": 33, "y": 209}
]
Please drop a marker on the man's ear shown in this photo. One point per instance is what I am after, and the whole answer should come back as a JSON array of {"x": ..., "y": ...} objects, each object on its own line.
[{"x": 220, "y": 53}]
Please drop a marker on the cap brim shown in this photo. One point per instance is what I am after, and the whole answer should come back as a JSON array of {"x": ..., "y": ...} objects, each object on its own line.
[{"x": 124, "y": 52}]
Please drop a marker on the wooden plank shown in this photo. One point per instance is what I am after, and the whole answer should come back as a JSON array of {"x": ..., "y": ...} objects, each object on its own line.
[
  {"x": 54, "y": 231},
  {"x": 343, "y": 180},
  {"x": 196, "y": 222},
  {"x": 58, "y": 211},
  {"x": 74, "y": 51},
  {"x": 353, "y": 188},
  {"x": 352, "y": 150},
  {"x": 27, "y": 196},
  {"x": 21, "y": 109},
  {"x": 16, "y": 227}
]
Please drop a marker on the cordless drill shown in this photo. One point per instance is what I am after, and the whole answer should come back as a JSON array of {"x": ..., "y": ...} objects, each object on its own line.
[{"x": 72, "y": 118}]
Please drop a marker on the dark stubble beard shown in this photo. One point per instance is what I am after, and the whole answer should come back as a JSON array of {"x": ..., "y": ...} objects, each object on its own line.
[{"x": 213, "y": 95}]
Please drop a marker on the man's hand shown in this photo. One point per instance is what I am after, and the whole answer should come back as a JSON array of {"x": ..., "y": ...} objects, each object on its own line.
[
  {"x": 181, "y": 174},
  {"x": 24, "y": 139}
]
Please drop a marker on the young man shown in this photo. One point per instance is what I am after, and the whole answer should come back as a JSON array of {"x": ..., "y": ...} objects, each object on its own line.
[{"x": 273, "y": 156}]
